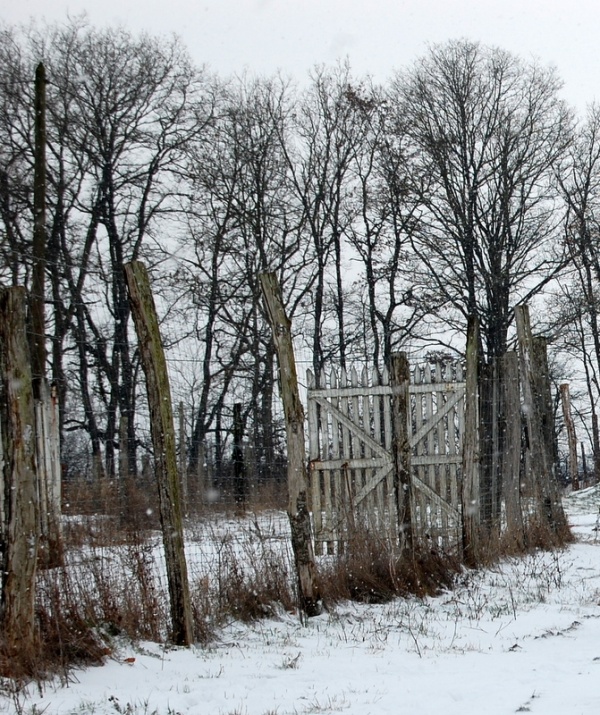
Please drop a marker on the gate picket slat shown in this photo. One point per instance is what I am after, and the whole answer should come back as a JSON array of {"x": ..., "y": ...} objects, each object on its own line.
[
  {"x": 332, "y": 430},
  {"x": 431, "y": 403},
  {"x": 458, "y": 434},
  {"x": 443, "y": 438},
  {"x": 344, "y": 477},
  {"x": 387, "y": 441},
  {"x": 375, "y": 421},
  {"x": 355, "y": 440},
  {"x": 420, "y": 434}
]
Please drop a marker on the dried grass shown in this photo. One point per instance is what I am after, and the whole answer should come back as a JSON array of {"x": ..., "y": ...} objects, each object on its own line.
[{"x": 370, "y": 569}]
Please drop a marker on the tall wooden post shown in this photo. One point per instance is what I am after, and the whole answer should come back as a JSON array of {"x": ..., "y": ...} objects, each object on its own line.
[
  {"x": 163, "y": 439},
  {"x": 19, "y": 479},
  {"x": 470, "y": 462},
  {"x": 46, "y": 427},
  {"x": 36, "y": 307},
  {"x": 548, "y": 502},
  {"x": 298, "y": 485},
  {"x": 511, "y": 457},
  {"x": 399, "y": 381},
  {"x": 565, "y": 396}
]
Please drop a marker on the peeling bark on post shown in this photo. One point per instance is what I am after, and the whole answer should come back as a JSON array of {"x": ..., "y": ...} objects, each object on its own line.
[
  {"x": 163, "y": 439},
  {"x": 399, "y": 380},
  {"x": 470, "y": 463},
  {"x": 20, "y": 504},
  {"x": 298, "y": 510}
]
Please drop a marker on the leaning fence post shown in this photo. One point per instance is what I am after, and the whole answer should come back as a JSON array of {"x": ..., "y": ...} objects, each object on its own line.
[
  {"x": 298, "y": 489},
  {"x": 165, "y": 454},
  {"x": 399, "y": 381},
  {"x": 470, "y": 462}
]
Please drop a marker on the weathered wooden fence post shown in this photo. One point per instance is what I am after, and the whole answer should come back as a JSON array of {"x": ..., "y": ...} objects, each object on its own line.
[
  {"x": 36, "y": 299},
  {"x": 19, "y": 479},
  {"x": 511, "y": 457},
  {"x": 46, "y": 429},
  {"x": 565, "y": 396},
  {"x": 470, "y": 462},
  {"x": 163, "y": 439},
  {"x": 49, "y": 476},
  {"x": 298, "y": 486},
  {"x": 401, "y": 449},
  {"x": 548, "y": 502}
]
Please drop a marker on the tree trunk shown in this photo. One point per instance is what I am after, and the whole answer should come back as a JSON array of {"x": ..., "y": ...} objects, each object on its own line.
[
  {"x": 239, "y": 467},
  {"x": 183, "y": 473},
  {"x": 572, "y": 438}
]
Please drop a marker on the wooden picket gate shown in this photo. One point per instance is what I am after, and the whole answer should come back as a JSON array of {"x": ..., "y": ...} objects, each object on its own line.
[{"x": 350, "y": 451}]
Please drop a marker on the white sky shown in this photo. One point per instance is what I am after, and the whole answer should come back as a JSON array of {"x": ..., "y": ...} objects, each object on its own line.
[{"x": 377, "y": 35}]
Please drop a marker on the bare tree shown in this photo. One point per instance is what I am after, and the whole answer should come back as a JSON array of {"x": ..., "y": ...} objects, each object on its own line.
[
  {"x": 489, "y": 130},
  {"x": 328, "y": 131},
  {"x": 120, "y": 111},
  {"x": 385, "y": 307},
  {"x": 579, "y": 303},
  {"x": 243, "y": 221}
]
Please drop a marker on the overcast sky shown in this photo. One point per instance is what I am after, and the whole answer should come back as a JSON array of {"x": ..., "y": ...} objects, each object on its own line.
[{"x": 377, "y": 36}]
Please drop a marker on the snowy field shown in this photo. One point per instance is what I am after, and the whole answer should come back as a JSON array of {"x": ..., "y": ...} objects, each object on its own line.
[{"x": 522, "y": 637}]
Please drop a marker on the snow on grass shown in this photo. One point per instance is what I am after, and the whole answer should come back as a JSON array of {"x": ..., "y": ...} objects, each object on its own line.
[{"x": 521, "y": 637}]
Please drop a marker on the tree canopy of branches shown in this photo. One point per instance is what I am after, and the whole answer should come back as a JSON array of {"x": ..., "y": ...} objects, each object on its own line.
[
  {"x": 489, "y": 131},
  {"x": 388, "y": 212}
]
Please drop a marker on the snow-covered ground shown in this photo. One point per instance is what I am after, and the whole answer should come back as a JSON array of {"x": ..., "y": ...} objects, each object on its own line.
[{"x": 522, "y": 637}]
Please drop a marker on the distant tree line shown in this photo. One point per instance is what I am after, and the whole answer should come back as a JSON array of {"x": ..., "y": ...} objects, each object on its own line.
[{"x": 390, "y": 214}]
